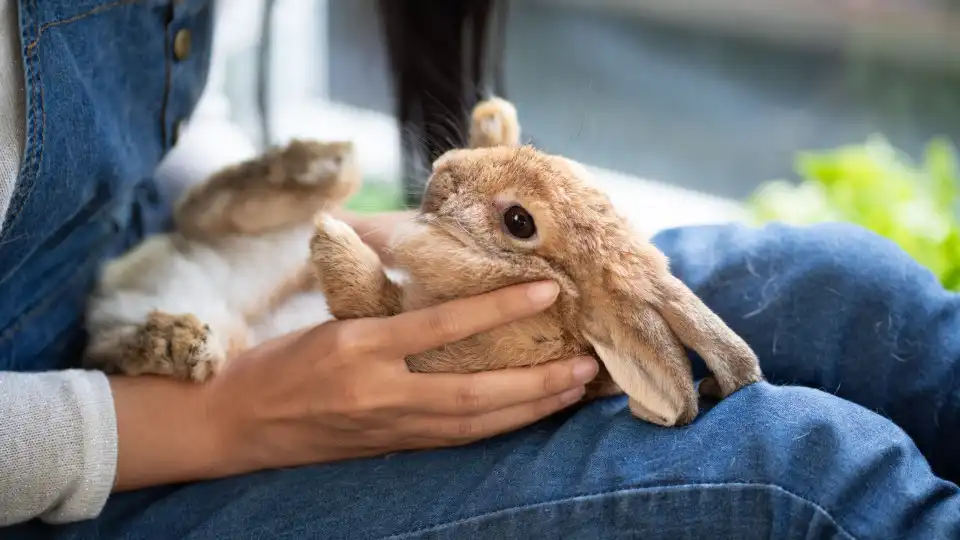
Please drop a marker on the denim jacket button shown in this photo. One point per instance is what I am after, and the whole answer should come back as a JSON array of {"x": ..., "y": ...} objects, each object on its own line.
[{"x": 181, "y": 44}]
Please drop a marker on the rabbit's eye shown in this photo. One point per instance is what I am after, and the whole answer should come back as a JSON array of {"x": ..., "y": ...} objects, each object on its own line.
[{"x": 519, "y": 222}]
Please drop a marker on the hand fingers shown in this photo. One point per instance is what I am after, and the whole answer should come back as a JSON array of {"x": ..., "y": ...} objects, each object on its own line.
[
  {"x": 421, "y": 330},
  {"x": 484, "y": 392},
  {"x": 446, "y": 430}
]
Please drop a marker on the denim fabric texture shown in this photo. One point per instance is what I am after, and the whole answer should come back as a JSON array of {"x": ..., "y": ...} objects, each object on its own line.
[
  {"x": 855, "y": 436},
  {"x": 104, "y": 93}
]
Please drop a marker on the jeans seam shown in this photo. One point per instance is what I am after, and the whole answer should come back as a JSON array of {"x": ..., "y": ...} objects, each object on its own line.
[
  {"x": 436, "y": 527},
  {"x": 34, "y": 150},
  {"x": 89, "y": 13}
]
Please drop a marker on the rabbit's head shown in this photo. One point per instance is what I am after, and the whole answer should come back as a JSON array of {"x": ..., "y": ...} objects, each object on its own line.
[{"x": 494, "y": 216}]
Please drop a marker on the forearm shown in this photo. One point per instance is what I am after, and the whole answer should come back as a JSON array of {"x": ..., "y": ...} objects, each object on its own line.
[
  {"x": 168, "y": 433},
  {"x": 70, "y": 438}
]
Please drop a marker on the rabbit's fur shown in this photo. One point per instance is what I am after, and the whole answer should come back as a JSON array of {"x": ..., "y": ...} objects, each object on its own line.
[
  {"x": 245, "y": 256},
  {"x": 618, "y": 298},
  {"x": 233, "y": 273}
]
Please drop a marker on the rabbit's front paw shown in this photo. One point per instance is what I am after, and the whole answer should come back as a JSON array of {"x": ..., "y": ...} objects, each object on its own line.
[
  {"x": 494, "y": 123},
  {"x": 350, "y": 272},
  {"x": 179, "y": 346},
  {"x": 336, "y": 246}
]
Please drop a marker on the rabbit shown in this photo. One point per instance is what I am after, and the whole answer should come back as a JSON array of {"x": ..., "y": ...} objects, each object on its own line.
[
  {"x": 253, "y": 255},
  {"x": 502, "y": 213},
  {"x": 233, "y": 272}
]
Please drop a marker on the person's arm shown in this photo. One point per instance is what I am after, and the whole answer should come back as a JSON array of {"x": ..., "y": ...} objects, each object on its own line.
[
  {"x": 59, "y": 434},
  {"x": 337, "y": 391},
  {"x": 58, "y": 445},
  {"x": 168, "y": 433},
  {"x": 59, "y": 453}
]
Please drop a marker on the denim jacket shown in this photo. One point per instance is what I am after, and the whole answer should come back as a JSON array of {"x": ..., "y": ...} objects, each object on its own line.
[{"x": 108, "y": 83}]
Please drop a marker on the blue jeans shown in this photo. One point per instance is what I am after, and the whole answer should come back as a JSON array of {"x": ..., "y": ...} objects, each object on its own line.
[{"x": 861, "y": 439}]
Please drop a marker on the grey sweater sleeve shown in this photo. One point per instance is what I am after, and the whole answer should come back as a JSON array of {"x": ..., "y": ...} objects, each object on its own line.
[{"x": 58, "y": 445}]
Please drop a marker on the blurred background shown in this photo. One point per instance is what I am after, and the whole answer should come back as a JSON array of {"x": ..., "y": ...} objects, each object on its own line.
[{"x": 684, "y": 107}]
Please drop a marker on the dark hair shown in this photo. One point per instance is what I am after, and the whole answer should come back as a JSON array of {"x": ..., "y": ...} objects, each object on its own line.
[{"x": 440, "y": 60}]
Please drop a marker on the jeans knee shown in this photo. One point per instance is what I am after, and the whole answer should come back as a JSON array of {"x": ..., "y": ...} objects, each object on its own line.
[
  {"x": 851, "y": 261},
  {"x": 841, "y": 257},
  {"x": 805, "y": 431}
]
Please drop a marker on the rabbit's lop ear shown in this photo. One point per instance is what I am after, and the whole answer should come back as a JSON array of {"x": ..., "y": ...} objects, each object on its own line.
[
  {"x": 732, "y": 362},
  {"x": 645, "y": 359}
]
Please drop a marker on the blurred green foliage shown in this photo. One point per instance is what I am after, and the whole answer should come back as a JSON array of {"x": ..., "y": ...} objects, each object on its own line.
[
  {"x": 878, "y": 187},
  {"x": 376, "y": 196}
]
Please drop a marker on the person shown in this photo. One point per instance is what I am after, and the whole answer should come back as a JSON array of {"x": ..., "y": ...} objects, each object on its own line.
[{"x": 322, "y": 433}]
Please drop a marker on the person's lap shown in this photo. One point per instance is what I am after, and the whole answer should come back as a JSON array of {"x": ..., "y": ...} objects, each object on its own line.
[
  {"x": 837, "y": 308},
  {"x": 831, "y": 307},
  {"x": 768, "y": 463}
]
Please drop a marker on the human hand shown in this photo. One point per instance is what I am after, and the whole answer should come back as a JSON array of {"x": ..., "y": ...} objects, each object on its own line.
[{"x": 342, "y": 389}]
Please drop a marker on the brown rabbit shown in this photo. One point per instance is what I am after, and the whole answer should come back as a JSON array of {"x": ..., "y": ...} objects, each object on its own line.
[{"x": 503, "y": 214}]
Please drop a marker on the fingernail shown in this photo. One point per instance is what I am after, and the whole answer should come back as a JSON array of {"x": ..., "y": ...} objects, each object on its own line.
[
  {"x": 572, "y": 396},
  {"x": 585, "y": 369},
  {"x": 543, "y": 293}
]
